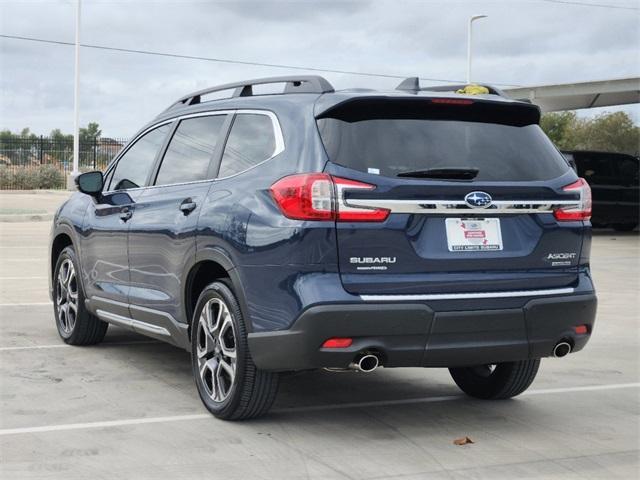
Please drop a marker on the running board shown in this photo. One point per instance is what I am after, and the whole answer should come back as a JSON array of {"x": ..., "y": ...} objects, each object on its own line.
[{"x": 131, "y": 323}]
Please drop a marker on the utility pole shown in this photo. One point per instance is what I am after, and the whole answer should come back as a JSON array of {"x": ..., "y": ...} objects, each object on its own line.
[
  {"x": 76, "y": 99},
  {"x": 469, "y": 43}
]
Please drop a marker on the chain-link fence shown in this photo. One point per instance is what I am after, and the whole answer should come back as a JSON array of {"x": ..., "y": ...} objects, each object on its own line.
[{"x": 44, "y": 162}]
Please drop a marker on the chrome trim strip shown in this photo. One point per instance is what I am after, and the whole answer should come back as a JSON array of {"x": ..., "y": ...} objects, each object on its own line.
[
  {"x": 466, "y": 296},
  {"x": 131, "y": 323},
  {"x": 459, "y": 206}
]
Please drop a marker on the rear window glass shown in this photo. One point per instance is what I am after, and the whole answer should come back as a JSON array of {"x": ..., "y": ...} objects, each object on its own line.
[{"x": 389, "y": 146}]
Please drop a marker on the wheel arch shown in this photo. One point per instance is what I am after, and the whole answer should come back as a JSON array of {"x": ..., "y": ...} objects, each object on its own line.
[
  {"x": 62, "y": 238},
  {"x": 209, "y": 266}
]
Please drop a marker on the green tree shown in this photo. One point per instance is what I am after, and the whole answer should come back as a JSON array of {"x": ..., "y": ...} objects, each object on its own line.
[
  {"x": 90, "y": 133},
  {"x": 610, "y": 132},
  {"x": 558, "y": 126}
]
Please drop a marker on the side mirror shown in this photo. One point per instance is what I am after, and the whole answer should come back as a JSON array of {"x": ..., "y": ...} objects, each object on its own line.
[{"x": 90, "y": 183}]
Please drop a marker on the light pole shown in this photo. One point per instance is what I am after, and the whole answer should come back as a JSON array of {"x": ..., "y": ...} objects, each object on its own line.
[
  {"x": 469, "y": 41},
  {"x": 76, "y": 98}
]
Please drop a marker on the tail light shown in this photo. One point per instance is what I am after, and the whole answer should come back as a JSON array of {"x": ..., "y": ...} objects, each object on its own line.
[
  {"x": 319, "y": 196},
  {"x": 583, "y": 210}
]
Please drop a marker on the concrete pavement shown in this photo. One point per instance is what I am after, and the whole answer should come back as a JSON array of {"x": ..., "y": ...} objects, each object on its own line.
[{"x": 128, "y": 409}]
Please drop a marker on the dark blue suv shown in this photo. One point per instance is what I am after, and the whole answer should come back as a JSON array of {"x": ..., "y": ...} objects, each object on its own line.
[{"x": 268, "y": 231}]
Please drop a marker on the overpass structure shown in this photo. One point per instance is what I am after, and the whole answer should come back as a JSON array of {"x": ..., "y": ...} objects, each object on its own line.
[{"x": 573, "y": 96}]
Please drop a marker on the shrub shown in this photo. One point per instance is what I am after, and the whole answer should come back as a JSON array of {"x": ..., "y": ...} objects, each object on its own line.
[
  {"x": 50, "y": 177},
  {"x": 31, "y": 178}
]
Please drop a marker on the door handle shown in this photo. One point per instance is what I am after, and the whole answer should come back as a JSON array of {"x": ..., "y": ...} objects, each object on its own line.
[
  {"x": 125, "y": 214},
  {"x": 187, "y": 206}
]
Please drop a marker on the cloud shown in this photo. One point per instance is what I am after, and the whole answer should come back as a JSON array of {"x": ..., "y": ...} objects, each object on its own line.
[{"x": 522, "y": 43}]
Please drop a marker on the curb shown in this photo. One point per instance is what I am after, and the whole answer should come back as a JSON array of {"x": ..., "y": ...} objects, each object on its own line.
[{"x": 34, "y": 217}]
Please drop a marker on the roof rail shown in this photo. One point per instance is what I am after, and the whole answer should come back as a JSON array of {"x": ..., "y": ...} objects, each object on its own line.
[
  {"x": 412, "y": 84},
  {"x": 297, "y": 84}
]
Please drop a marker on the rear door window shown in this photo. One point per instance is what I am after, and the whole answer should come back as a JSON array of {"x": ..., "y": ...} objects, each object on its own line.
[
  {"x": 389, "y": 146},
  {"x": 251, "y": 141},
  {"x": 191, "y": 150}
]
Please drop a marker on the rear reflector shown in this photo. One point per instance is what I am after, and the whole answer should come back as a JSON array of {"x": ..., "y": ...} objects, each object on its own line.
[
  {"x": 319, "y": 196},
  {"x": 583, "y": 210},
  {"x": 581, "y": 329},
  {"x": 338, "y": 342}
]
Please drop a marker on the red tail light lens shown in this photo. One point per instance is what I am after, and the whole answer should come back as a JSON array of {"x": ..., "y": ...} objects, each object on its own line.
[
  {"x": 305, "y": 197},
  {"x": 347, "y": 213},
  {"x": 583, "y": 210},
  {"x": 338, "y": 342},
  {"x": 319, "y": 196}
]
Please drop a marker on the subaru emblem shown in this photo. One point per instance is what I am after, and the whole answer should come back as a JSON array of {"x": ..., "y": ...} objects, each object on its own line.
[{"x": 478, "y": 199}]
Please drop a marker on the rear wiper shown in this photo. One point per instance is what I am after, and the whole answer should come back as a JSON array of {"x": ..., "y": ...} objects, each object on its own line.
[{"x": 457, "y": 173}]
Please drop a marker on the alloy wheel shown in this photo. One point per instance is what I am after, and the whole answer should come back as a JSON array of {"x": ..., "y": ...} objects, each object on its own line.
[
  {"x": 216, "y": 349},
  {"x": 67, "y": 296}
]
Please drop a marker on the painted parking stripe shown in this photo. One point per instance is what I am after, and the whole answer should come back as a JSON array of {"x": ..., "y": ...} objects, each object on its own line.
[
  {"x": 33, "y": 304},
  {"x": 314, "y": 408},
  {"x": 23, "y": 278},
  {"x": 64, "y": 345}
]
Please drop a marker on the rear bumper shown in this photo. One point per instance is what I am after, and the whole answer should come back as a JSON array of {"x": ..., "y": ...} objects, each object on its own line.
[{"x": 427, "y": 333}]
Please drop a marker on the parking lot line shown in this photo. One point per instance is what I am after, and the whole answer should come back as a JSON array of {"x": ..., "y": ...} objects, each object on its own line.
[
  {"x": 313, "y": 408},
  {"x": 63, "y": 345},
  {"x": 35, "y": 304},
  {"x": 23, "y": 278}
]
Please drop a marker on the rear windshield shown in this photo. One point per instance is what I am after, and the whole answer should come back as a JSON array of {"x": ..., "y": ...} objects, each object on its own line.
[{"x": 389, "y": 146}]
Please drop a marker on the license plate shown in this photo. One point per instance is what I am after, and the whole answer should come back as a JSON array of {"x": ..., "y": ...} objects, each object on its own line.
[{"x": 473, "y": 234}]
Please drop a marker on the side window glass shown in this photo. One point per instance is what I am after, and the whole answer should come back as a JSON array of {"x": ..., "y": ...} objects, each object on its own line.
[
  {"x": 595, "y": 169},
  {"x": 134, "y": 166},
  {"x": 251, "y": 141},
  {"x": 190, "y": 150},
  {"x": 627, "y": 170}
]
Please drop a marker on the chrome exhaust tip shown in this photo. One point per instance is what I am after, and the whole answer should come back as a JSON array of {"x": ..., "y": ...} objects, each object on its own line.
[
  {"x": 562, "y": 349},
  {"x": 365, "y": 363}
]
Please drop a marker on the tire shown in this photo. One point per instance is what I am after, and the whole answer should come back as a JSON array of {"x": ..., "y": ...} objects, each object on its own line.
[
  {"x": 230, "y": 385},
  {"x": 493, "y": 382},
  {"x": 624, "y": 227},
  {"x": 75, "y": 324}
]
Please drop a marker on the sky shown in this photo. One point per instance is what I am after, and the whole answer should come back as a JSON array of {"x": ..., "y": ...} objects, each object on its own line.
[{"x": 522, "y": 42}]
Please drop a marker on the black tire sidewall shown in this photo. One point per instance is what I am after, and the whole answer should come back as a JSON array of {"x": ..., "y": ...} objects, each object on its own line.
[
  {"x": 500, "y": 384},
  {"x": 229, "y": 405}
]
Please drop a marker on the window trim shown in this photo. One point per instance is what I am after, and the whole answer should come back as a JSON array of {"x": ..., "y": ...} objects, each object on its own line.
[{"x": 278, "y": 148}]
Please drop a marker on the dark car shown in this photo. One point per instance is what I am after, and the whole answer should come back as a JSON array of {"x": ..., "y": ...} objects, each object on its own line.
[
  {"x": 615, "y": 185},
  {"x": 316, "y": 229}
]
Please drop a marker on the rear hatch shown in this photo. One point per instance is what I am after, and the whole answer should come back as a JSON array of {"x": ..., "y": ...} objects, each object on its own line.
[{"x": 471, "y": 188}]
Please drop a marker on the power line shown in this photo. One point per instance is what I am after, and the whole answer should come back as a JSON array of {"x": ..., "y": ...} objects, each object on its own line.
[
  {"x": 600, "y": 5},
  {"x": 236, "y": 62}
]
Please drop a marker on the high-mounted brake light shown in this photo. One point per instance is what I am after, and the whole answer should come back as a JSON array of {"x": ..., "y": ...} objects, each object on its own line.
[
  {"x": 319, "y": 196},
  {"x": 452, "y": 101},
  {"x": 583, "y": 210}
]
